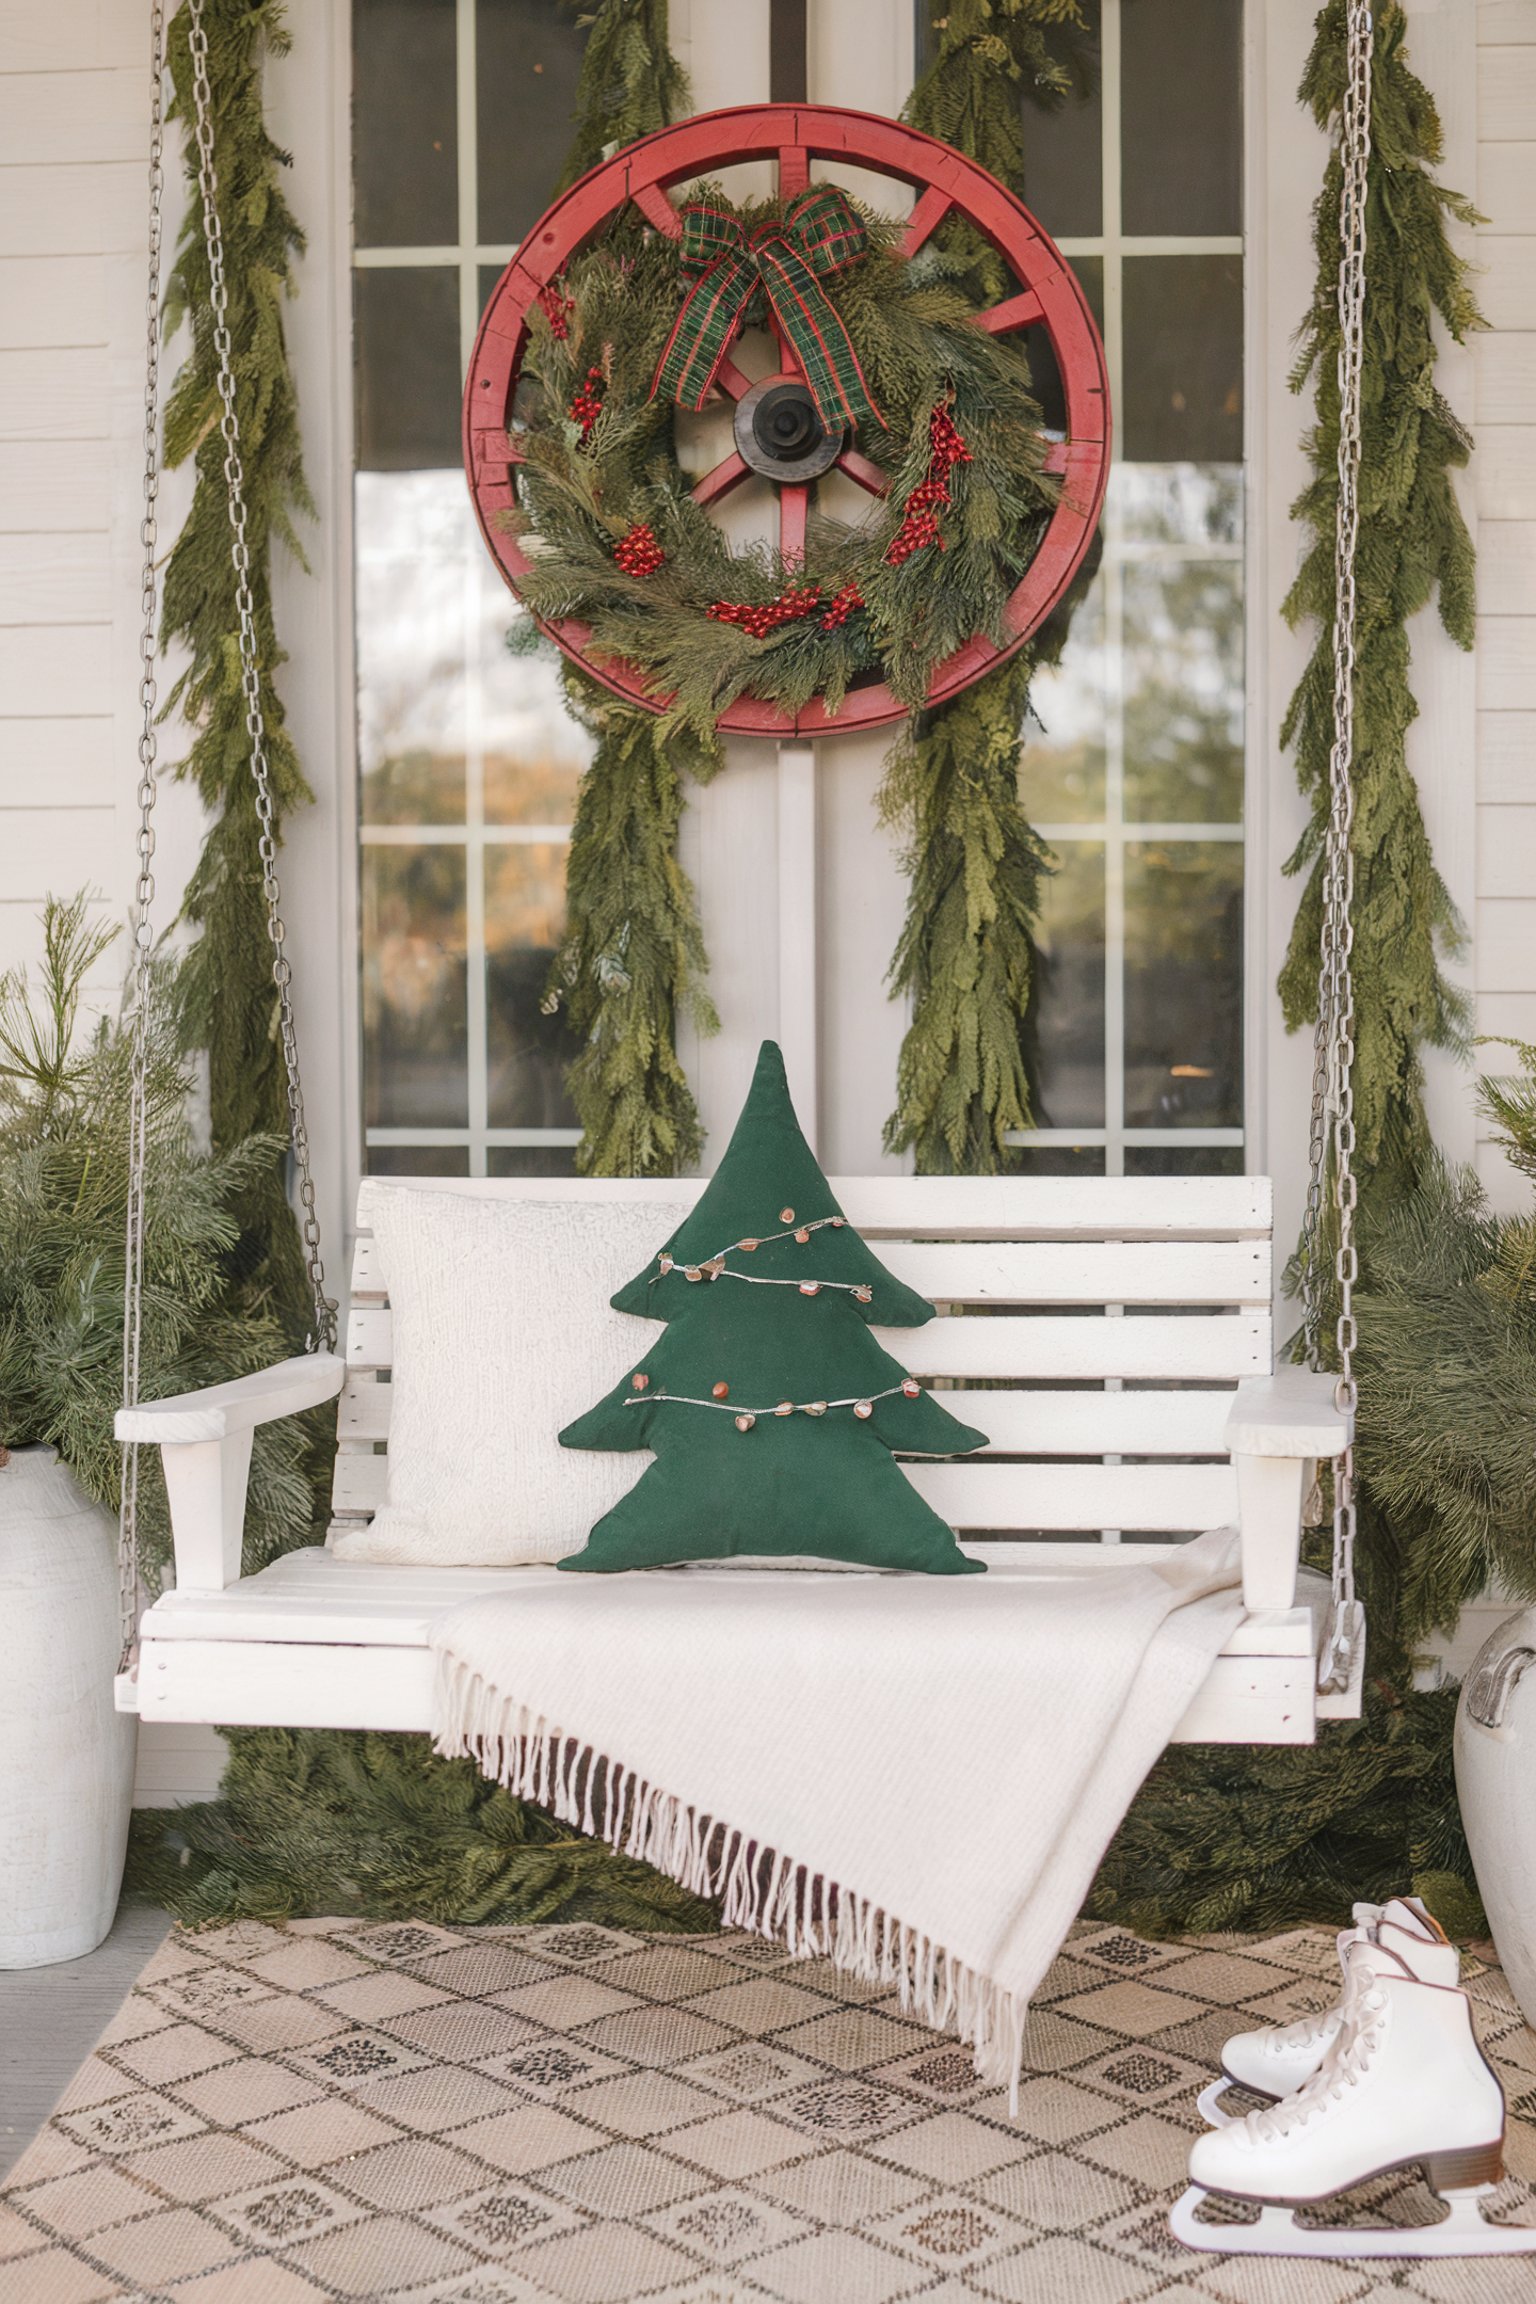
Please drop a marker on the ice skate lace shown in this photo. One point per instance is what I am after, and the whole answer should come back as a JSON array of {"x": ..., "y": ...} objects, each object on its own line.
[{"x": 1361, "y": 2012}]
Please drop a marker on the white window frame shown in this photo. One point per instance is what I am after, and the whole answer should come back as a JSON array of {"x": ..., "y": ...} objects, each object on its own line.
[{"x": 310, "y": 108}]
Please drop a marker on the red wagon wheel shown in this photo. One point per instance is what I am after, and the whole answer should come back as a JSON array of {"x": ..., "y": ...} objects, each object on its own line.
[{"x": 1047, "y": 296}]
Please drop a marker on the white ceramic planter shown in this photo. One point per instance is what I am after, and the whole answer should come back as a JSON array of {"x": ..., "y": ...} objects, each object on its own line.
[
  {"x": 66, "y": 1757},
  {"x": 1496, "y": 1784}
]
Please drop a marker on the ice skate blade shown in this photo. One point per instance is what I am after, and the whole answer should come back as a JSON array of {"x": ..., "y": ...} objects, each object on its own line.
[
  {"x": 1208, "y": 2104},
  {"x": 1464, "y": 2232}
]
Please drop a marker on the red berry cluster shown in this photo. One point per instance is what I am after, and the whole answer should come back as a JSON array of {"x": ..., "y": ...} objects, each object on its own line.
[
  {"x": 556, "y": 307},
  {"x": 758, "y": 621},
  {"x": 920, "y": 517},
  {"x": 587, "y": 406},
  {"x": 841, "y": 606},
  {"x": 638, "y": 553}
]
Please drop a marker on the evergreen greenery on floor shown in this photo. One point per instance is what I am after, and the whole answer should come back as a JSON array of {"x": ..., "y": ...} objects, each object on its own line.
[
  {"x": 1448, "y": 1378},
  {"x": 308, "y": 1822}
]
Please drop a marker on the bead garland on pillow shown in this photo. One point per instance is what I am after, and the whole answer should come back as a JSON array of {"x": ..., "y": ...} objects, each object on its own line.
[{"x": 767, "y": 1342}]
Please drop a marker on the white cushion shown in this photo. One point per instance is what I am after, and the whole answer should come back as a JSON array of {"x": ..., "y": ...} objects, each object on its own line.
[{"x": 502, "y": 1334}]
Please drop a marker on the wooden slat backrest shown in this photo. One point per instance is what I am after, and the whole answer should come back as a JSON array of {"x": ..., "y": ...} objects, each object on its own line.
[{"x": 1161, "y": 1284}]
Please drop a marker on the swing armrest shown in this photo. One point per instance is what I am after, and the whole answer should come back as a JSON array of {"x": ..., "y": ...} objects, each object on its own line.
[
  {"x": 1289, "y": 1414},
  {"x": 205, "y": 1446},
  {"x": 238, "y": 1406},
  {"x": 1278, "y": 1428}
]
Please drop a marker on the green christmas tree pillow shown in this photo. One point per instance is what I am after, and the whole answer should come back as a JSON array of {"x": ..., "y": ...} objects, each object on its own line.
[{"x": 772, "y": 1411}]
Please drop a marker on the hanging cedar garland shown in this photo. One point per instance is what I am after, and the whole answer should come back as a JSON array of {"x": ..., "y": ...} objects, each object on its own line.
[
  {"x": 967, "y": 959},
  {"x": 1414, "y": 548},
  {"x": 225, "y": 981}
]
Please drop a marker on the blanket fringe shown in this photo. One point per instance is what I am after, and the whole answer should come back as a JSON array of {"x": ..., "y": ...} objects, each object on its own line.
[{"x": 762, "y": 1890}]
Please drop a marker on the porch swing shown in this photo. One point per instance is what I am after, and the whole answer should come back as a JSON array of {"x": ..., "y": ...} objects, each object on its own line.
[{"x": 1160, "y": 1423}]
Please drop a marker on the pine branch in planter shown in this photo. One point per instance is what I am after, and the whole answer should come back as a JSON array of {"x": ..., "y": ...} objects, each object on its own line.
[
  {"x": 966, "y": 956},
  {"x": 63, "y": 1201}
]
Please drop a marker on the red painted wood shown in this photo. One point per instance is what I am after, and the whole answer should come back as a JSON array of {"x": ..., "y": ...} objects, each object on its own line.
[
  {"x": 794, "y": 503},
  {"x": 795, "y": 135},
  {"x": 864, "y": 472},
  {"x": 720, "y": 479}
]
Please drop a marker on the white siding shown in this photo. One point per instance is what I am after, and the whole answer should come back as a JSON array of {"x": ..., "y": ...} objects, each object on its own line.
[
  {"x": 74, "y": 125},
  {"x": 1505, "y": 494}
]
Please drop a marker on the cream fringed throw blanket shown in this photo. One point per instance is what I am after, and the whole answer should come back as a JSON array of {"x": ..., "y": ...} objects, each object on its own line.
[{"x": 915, "y": 1775}]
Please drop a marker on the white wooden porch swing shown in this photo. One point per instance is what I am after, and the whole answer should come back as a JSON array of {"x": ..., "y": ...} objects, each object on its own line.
[{"x": 1129, "y": 1321}]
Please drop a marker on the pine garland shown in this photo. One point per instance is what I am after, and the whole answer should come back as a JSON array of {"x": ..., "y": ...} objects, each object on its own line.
[
  {"x": 1414, "y": 548},
  {"x": 631, "y": 84},
  {"x": 632, "y": 956},
  {"x": 228, "y": 997},
  {"x": 967, "y": 956}
]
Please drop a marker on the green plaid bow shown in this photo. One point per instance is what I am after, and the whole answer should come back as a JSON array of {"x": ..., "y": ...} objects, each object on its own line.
[{"x": 818, "y": 234}]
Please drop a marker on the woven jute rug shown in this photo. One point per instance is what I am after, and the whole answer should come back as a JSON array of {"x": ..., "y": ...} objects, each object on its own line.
[{"x": 348, "y": 2110}]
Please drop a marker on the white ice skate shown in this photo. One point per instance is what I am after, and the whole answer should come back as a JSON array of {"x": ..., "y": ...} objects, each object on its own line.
[
  {"x": 1280, "y": 2058},
  {"x": 1404, "y": 2084}
]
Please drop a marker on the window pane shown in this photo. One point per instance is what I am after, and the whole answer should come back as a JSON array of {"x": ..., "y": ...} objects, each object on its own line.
[
  {"x": 528, "y": 58},
  {"x": 1183, "y": 984},
  {"x": 405, "y": 146},
  {"x": 1071, "y": 942},
  {"x": 406, "y": 368},
  {"x": 414, "y": 1026},
  {"x": 1182, "y": 116},
  {"x": 413, "y": 540},
  {"x": 1183, "y": 676},
  {"x": 1063, "y": 144},
  {"x": 417, "y": 1160},
  {"x": 1177, "y": 503},
  {"x": 536, "y": 754},
  {"x": 1044, "y": 375},
  {"x": 527, "y": 1051},
  {"x": 1184, "y": 1160},
  {"x": 1061, "y": 1160},
  {"x": 1061, "y": 778},
  {"x": 531, "y": 1160},
  {"x": 1183, "y": 393}
]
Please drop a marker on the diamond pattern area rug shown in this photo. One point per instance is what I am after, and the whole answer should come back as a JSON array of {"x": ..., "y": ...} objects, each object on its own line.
[{"x": 342, "y": 2110}]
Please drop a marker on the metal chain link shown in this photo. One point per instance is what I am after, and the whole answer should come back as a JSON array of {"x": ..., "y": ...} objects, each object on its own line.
[
  {"x": 141, "y": 959},
  {"x": 1333, "y": 1099},
  {"x": 323, "y": 1336}
]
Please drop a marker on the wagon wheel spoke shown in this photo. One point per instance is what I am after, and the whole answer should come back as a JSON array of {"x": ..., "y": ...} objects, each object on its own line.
[
  {"x": 794, "y": 502},
  {"x": 720, "y": 479},
  {"x": 794, "y": 170},
  {"x": 863, "y": 473},
  {"x": 731, "y": 381},
  {"x": 1021, "y": 311},
  {"x": 657, "y": 209},
  {"x": 925, "y": 219}
]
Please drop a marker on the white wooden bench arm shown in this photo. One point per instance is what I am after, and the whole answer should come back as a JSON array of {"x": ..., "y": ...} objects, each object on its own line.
[
  {"x": 1291, "y": 1413},
  {"x": 1278, "y": 1427},
  {"x": 205, "y": 1446}
]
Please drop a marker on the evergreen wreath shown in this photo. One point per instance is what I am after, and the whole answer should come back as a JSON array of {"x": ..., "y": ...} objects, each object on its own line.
[{"x": 889, "y": 343}]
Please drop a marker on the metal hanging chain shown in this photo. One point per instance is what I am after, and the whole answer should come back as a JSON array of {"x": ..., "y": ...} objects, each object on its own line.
[
  {"x": 141, "y": 958},
  {"x": 323, "y": 1335},
  {"x": 1333, "y": 1099}
]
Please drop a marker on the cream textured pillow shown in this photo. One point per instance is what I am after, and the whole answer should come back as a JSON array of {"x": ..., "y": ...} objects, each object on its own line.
[{"x": 502, "y": 1334}]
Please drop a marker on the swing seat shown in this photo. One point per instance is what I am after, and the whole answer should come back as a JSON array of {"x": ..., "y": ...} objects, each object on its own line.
[{"x": 1112, "y": 1335}]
